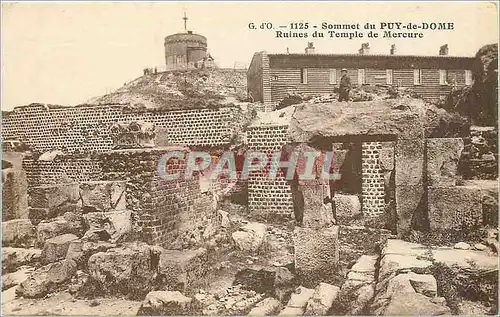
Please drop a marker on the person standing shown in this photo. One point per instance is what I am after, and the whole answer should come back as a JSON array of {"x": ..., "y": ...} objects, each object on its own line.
[{"x": 345, "y": 86}]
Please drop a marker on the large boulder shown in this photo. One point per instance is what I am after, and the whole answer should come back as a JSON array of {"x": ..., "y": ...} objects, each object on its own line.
[
  {"x": 69, "y": 223},
  {"x": 180, "y": 270},
  {"x": 251, "y": 237},
  {"x": 166, "y": 303},
  {"x": 18, "y": 232},
  {"x": 443, "y": 155},
  {"x": 55, "y": 249},
  {"x": 47, "y": 278},
  {"x": 12, "y": 258},
  {"x": 127, "y": 270}
]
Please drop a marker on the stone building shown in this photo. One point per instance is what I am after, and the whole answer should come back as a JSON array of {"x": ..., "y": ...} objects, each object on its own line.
[{"x": 271, "y": 77}]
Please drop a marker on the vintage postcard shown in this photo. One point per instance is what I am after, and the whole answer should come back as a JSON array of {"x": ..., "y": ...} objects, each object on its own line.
[{"x": 249, "y": 158}]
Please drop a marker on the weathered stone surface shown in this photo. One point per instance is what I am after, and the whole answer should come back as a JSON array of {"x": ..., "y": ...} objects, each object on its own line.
[
  {"x": 15, "y": 278},
  {"x": 124, "y": 270},
  {"x": 489, "y": 190},
  {"x": 46, "y": 278},
  {"x": 409, "y": 202},
  {"x": 396, "y": 246},
  {"x": 393, "y": 263},
  {"x": 480, "y": 247},
  {"x": 69, "y": 223},
  {"x": 466, "y": 259},
  {"x": 18, "y": 232},
  {"x": 166, "y": 303},
  {"x": 251, "y": 237},
  {"x": 365, "y": 264},
  {"x": 414, "y": 305},
  {"x": 316, "y": 254},
  {"x": 103, "y": 195},
  {"x": 258, "y": 279},
  {"x": 322, "y": 299},
  {"x": 363, "y": 296},
  {"x": 266, "y": 307},
  {"x": 442, "y": 161},
  {"x": 454, "y": 208},
  {"x": 56, "y": 199},
  {"x": 462, "y": 246},
  {"x": 347, "y": 205},
  {"x": 402, "y": 117},
  {"x": 298, "y": 302},
  {"x": 55, "y": 248},
  {"x": 409, "y": 162},
  {"x": 386, "y": 158},
  {"x": 423, "y": 283},
  {"x": 14, "y": 191},
  {"x": 316, "y": 213},
  {"x": 116, "y": 223},
  {"x": 13, "y": 258},
  {"x": 80, "y": 251},
  {"x": 180, "y": 270}
]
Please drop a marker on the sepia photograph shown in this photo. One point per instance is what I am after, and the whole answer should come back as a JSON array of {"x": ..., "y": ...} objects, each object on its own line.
[{"x": 202, "y": 158}]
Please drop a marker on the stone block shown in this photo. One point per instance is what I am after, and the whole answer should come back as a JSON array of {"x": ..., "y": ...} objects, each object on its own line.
[
  {"x": 316, "y": 213},
  {"x": 125, "y": 270},
  {"x": 409, "y": 203},
  {"x": 44, "y": 279},
  {"x": 103, "y": 195},
  {"x": 347, "y": 205},
  {"x": 386, "y": 158},
  {"x": 251, "y": 237},
  {"x": 67, "y": 223},
  {"x": 266, "y": 307},
  {"x": 18, "y": 231},
  {"x": 454, "y": 208},
  {"x": 116, "y": 223},
  {"x": 14, "y": 194},
  {"x": 56, "y": 248},
  {"x": 409, "y": 162},
  {"x": 442, "y": 161},
  {"x": 15, "y": 278},
  {"x": 54, "y": 197},
  {"x": 12, "y": 258},
  {"x": 179, "y": 270},
  {"x": 316, "y": 254},
  {"x": 166, "y": 303},
  {"x": 322, "y": 300}
]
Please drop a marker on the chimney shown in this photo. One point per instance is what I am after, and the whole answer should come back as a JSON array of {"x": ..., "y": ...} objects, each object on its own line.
[
  {"x": 365, "y": 49},
  {"x": 310, "y": 48},
  {"x": 393, "y": 49},
  {"x": 443, "y": 50}
]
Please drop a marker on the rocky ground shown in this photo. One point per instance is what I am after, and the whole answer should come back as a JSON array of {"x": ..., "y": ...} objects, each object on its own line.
[{"x": 248, "y": 269}]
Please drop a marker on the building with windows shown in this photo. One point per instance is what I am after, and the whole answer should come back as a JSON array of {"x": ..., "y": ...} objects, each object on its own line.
[{"x": 271, "y": 77}]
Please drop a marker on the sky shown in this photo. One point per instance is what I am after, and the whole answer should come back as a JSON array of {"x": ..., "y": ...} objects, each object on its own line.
[{"x": 69, "y": 52}]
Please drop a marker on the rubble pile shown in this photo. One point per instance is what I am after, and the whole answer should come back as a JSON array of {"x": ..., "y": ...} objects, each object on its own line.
[{"x": 187, "y": 89}]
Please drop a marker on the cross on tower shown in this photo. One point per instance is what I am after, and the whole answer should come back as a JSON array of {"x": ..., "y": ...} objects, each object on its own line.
[{"x": 185, "y": 18}]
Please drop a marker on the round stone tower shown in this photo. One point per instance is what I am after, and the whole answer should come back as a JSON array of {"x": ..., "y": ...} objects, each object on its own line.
[{"x": 183, "y": 50}]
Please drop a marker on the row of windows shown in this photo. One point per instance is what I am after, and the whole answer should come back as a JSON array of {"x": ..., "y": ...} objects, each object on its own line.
[{"x": 417, "y": 77}]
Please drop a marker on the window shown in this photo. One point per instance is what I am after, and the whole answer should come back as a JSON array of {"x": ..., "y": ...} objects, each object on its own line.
[
  {"x": 303, "y": 75},
  {"x": 388, "y": 76},
  {"x": 333, "y": 76},
  {"x": 274, "y": 77},
  {"x": 468, "y": 77},
  {"x": 361, "y": 77},
  {"x": 417, "y": 77},
  {"x": 443, "y": 77}
]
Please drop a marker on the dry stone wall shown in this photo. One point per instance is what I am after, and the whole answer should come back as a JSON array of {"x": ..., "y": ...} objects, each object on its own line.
[{"x": 373, "y": 179}]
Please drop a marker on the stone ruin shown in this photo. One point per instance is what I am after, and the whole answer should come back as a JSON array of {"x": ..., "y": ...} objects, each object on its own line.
[{"x": 104, "y": 212}]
